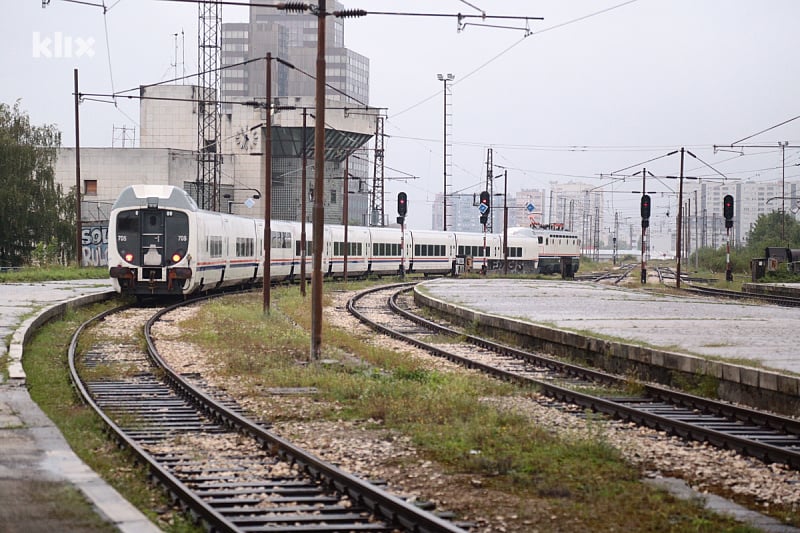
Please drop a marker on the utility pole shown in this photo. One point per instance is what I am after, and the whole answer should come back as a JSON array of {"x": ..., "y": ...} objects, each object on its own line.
[
  {"x": 318, "y": 233},
  {"x": 268, "y": 187},
  {"x": 505, "y": 222},
  {"x": 345, "y": 207},
  {"x": 490, "y": 186},
  {"x": 680, "y": 227},
  {"x": 303, "y": 197},
  {"x": 78, "y": 216}
]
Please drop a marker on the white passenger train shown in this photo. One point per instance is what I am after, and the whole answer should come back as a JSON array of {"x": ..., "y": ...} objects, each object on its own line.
[{"x": 161, "y": 243}]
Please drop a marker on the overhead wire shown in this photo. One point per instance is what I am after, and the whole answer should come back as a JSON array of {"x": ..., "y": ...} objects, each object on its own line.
[{"x": 514, "y": 45}]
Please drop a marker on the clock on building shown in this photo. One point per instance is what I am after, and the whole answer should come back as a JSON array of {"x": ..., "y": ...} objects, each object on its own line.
[{"x": 246, "y": 138}]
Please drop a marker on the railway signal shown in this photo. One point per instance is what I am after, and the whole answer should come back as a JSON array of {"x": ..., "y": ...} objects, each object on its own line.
[
  {"x": 484, "y": 207},
  {"x": 645, "y": 210},
  {"x": 402, "y": 204},
  {"x": 402, "y": 207},
  {"x": 727, "y": 210}
]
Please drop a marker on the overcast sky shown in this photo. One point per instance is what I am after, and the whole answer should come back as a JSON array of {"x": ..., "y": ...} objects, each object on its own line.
[{"x": 596, "y": 87}]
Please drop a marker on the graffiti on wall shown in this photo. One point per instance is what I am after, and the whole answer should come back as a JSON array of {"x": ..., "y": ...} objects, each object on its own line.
[{"x": 94, "y": 246}]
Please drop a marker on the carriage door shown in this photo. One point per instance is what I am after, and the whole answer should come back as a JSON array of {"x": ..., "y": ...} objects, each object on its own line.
[{"x": 152, "y": 242}]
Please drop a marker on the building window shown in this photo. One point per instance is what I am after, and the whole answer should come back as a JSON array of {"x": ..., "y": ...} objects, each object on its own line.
[{"x": 90, "y": 187}]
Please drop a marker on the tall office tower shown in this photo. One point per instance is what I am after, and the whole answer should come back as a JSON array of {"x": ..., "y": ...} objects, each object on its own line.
[{"x": 293, "y": 38}]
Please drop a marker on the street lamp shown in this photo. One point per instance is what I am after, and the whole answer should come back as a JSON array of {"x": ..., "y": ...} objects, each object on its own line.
[{"x": 445, "y": 79}]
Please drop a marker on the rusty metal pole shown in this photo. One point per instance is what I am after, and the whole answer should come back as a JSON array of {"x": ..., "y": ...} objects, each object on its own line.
[
  {"x": 644, "y": 233},
  {"x": 78, "y": 216},
  {"x": 319, "y": 189},
  {"x": 505, "y": 222},
  {"x": 303, "y": 196},
  {"x": 346, "y": 191},
  {"x": 268, "y": 188},
  {"x": 680, "y": 227}
]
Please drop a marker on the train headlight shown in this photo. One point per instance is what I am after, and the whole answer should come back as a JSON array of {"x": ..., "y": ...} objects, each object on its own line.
[
  {"x": 128, "y": 257},
  {"x": 176, "y": 257}
]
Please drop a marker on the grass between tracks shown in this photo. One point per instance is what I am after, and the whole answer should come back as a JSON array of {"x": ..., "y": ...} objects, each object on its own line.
[
  {"x": 559, "y": 484},
  {"x": 52, "y": 273},
  {"x": 46, "y": 367}
]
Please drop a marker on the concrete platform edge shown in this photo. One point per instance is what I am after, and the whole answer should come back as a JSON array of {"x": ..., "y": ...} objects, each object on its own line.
[
  {"x": 29, "y": 326},
  {"x": 106, "y": 500},
  {"x": 761, "y": 388}
]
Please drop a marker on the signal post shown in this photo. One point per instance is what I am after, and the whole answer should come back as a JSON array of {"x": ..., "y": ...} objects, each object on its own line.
[
  {"x": 402, "y": 209},
  {"x": 484, "y": 208},
  {"x": 727, "y": 212},
  {"x": 645, "y": 211}
]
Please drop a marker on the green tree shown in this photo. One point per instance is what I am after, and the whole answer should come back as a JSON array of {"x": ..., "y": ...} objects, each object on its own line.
[
  {"x": 768, "y": 230},
  {"x": 33, "y": 209}
]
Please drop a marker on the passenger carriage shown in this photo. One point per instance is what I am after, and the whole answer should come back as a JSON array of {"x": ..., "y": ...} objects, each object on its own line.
[
  {"x": 161, "y": 243},
  {"x": 432, "y": 252},
  {"x": 357, "y": 248},
  {"x": 386, "y": 254}
]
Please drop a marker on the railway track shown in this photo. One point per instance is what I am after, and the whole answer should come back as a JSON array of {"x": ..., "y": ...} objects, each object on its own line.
[
  {"x": 762, "y": 435},
  {"x": 787, "y": 301},
  {"x": 228, "y": 470}
]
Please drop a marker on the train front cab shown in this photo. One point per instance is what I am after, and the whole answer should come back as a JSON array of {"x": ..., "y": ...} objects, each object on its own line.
[
  {"x": 558, "y": 252},
  {"x": 151, "y": 249}
]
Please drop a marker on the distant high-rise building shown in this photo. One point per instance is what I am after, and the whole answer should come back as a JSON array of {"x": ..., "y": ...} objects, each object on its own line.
[{"x": 292, "y": 38}]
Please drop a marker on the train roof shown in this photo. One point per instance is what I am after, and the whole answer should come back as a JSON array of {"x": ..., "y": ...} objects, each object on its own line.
[
  {"x": 540, "y": 230},
  {"x": 155, "y": 196}
]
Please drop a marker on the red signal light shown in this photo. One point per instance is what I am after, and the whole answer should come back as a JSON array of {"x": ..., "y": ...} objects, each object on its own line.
[
  {"x": 645, "y": 206},
  {"x": 402, "y": 204}
]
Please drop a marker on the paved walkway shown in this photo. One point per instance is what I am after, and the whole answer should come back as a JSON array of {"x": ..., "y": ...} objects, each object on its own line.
[
  {"x": 33, "y": 453},
  {"x": 722, "y": 328}
]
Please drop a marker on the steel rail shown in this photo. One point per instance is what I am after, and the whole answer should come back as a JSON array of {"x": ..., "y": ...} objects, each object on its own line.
[
  {"x": 383, "y": 505},
  {"x": 172, "y": 483},
  {"x": 378, "y": 501},
  {"x": 615, "y": 408}
]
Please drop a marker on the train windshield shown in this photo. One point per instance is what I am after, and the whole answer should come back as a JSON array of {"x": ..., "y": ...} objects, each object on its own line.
[{"x": 152, "y": 237}]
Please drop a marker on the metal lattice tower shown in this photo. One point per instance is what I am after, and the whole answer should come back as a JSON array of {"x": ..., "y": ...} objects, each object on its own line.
[
  {"x": 377, "y": 207},
  {"x": 208, "y": 157},
  {"x": 448, "y": 149},
  {"x": 596, "y": 234}
]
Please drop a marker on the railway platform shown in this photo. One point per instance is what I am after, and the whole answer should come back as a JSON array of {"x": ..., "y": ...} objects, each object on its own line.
[
  {"x": 746, "y": 351},
  {"x": 33, "y": 453},
  {"x": 764, "y": 335}
]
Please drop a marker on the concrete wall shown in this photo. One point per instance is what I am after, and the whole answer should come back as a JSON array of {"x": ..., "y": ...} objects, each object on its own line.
[{"x": 116, "y": 168}]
